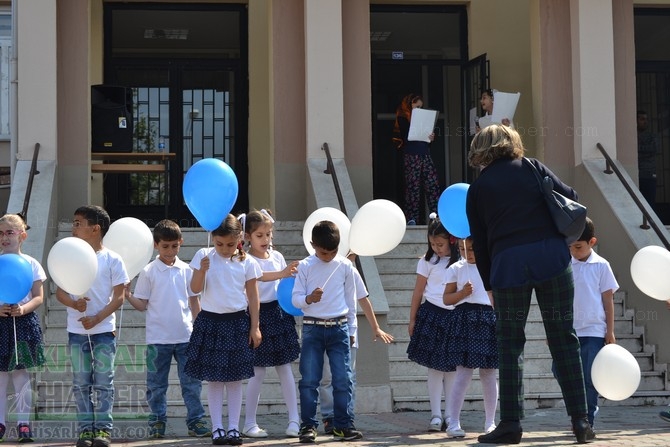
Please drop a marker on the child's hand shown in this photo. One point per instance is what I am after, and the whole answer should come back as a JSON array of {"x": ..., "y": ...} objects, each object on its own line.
[
  {"x": 467, "y": 289},
  {"x": 290, "y": 269},
  {"x": 315, "y": 296},
  {"x": 410, "y": 328},
  {"x": 80, "y": 304},
  {"x": 255, "y": 338},
  {"x": 204, "y": 264},
  {"x": 89, "y": 322},
  {"x": 6, "y": 310},
  {"x": 385, "y": 337},
  {"x": 610, "y": 338},
  {"x": 126, "y": 292},
  {"x": 16, "y": 310}
]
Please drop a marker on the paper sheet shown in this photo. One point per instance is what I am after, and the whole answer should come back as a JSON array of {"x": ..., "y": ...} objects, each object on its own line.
[
  {"x": 422, "y": 124},
  {"x": 473, "y": 120},
  {"x": 504, "y": 106}
]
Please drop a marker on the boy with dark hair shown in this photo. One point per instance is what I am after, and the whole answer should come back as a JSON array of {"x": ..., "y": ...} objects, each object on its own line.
[
  {"x": 593, "y": 307},
  {"x": 163, "y": 291},
  {"x": 91, "y": 325},
  {"x": 325, "y": 291}
]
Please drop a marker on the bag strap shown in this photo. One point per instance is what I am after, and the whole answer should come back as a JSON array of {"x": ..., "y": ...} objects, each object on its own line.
[{"x": 536, "y": 172}]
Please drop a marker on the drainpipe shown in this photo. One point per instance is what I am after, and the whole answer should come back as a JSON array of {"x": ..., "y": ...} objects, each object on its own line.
[{"x": 13, "y": 91}]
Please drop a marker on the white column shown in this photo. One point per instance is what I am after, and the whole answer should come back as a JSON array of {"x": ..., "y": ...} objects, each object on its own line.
[
  {"x": 324, "y": 87},
  {"x": 593, "y": 78},
  {"x": 36, "y": 68}
]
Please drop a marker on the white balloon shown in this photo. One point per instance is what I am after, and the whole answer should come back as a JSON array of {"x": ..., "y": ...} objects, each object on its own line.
[
  {"x": 334, "y": 215},
  {"x": 73, "y": 265},
  {"x": 133, "y": 241},
  {"x": 377, "y": 228},
  {"x": 649, "y": 268},
  {"x": 615, "y": 373}
]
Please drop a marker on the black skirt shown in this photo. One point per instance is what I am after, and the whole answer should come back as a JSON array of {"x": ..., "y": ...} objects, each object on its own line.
[
  {"x": 429, "y": 343},
  {"x": 29, "y": 339},
  {"x": 471, "y": 337},
  {"x": 280, "y": 339}
]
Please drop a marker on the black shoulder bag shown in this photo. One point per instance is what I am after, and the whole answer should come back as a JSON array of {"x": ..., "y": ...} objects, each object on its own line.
[{"x": 568, "y": 216}]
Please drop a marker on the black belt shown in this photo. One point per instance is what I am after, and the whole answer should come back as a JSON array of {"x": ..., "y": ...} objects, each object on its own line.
[{"x": 337, "y": 321}]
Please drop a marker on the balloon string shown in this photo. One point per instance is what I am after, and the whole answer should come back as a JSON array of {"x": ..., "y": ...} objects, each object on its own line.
[
  {"x": 16, "y": 344},
  {"x": 331, "y": 275},
  {"x": 204, "y": 282},
  {"x": 465, "y": 249}
]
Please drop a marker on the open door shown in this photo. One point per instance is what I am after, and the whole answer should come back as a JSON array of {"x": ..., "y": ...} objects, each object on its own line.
[{"x": 476, "y": 78}]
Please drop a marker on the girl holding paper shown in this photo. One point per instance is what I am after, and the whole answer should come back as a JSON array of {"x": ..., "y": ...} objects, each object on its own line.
[
  {"x": 486, "y": 101},
  {"x": 419, "y": 169}
]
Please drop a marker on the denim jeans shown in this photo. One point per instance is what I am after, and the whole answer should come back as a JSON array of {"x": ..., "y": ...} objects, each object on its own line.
[
  {"x": 326, "y": 389},
  {"x": 159, "y": 358},
  {"x": 334, "y": 341},
  {"x": 93, "y": 375}
]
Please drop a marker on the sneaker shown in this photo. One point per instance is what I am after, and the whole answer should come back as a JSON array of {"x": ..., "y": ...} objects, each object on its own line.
[
  {"x": 233, "y": 437},
  {"x": 255, "y": 432},
  {"x": 456, "y": 432},
  {"x": 85, "y": 439},
  {"x": 293, "y": 429},
  {"x": 665, "y": 415},
  {"x": 435, "y": 424},
  {"x": 346, "y": 434},
  {"x": 219, "y": 437},
  {"x": 24, "y": 433},
  {"x": 199, "y": 429},
  {"x": 307, "y": 434},
  {"x": 102, "y": 439},
  {"x": 328, "y": 426},
  {"x": 157, "y": 429}
]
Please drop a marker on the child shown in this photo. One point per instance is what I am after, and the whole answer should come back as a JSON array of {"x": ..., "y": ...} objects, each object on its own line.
[
  {"x": 28, "y": 333},
  {"x": 326, "y": 388},
  {"x": 91, "y": 323},
  {"x": 429, "y": 321},
  {"x": 326, "y": 292},
  {"x": 224, "y": 332},
  {"x": 472, "y": 338},
  {"x": 593, "y": 307},
  {"x": 163, "y": 291},
  {"x": 280, "y": 344}
]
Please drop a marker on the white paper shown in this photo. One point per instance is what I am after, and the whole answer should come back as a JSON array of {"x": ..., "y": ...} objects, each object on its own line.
[
  {"x": 504, "y": 106},
  {"x": 473, "y": 120},
  {"x": 422, "y": 124},
  {"x": 485, "y": 121}
]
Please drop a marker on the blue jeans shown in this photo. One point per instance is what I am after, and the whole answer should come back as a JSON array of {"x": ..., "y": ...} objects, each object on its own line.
[
  {"x": 93, "y": 374},
  {"x": 159, "y": 358},
  {"x": 334, "y": 341},
  {"x": 326, "y": 389}
]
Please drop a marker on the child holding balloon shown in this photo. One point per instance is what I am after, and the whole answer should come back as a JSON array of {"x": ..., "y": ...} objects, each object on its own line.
[
  {"x": 91, "y": 325},
  {"x": 22, "y": 330},
  {"x": 226, "y": 330},
  {"x": 471, "y": 338},
  {"x": 429, "y": 321},
  {"x": 280, "y": 344}
]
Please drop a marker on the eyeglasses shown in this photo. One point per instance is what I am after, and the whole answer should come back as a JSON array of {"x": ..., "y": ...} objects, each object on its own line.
[{"x": 8, "y": 233}]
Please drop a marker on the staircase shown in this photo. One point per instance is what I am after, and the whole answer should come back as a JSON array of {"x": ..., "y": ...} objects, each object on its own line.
[
  {"x": 408, "y": 380},
  {"x": 397, "y": 270}
]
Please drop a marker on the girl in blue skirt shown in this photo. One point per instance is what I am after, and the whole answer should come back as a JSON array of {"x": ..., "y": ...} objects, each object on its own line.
[
  {"x": 226, "y": 330},
  {"x": 429, "y": 321},
  {"x": 22, "y": 318},
  {"x": 471, "y": 338},
  {"x": 280, "y": 344}
]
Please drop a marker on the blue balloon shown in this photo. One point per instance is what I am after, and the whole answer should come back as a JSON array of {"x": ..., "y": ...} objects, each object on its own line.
[
  {"x": 16, "y": 277},
  {"x": 451, "y": 210},
  {"x": 284, "y": 295},
  {"x": 210, "y": 190}
]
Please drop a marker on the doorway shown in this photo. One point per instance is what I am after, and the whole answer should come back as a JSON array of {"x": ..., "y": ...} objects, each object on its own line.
[
  {"x": 419, "y": 50},
  {"x": 186, "y": 68}
]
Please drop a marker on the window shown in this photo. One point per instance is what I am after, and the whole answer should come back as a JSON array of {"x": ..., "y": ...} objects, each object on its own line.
[{"x": 5, "y": 58}]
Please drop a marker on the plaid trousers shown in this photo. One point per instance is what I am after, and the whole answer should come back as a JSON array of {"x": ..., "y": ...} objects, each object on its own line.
[{"x": 554, "y": 297}]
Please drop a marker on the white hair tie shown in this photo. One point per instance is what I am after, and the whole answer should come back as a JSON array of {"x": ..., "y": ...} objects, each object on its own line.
[
  {"x": 268, "y": 214},
  {"x": 243, "y": 220}
]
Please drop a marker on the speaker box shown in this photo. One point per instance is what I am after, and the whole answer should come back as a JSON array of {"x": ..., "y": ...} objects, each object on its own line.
[{"x": 111, "y": 118}]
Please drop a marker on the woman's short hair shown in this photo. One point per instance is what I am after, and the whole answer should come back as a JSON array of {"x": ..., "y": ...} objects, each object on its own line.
[{"x": 494, "y": 142}]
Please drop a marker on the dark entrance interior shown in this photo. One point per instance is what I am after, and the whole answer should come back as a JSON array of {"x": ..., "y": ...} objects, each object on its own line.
[{"x": 186, "y": 66}]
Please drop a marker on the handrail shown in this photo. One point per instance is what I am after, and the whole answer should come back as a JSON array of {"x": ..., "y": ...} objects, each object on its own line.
[
  {"x": 647, "y": 220},
  {"x": 33, "y": 172},
  {"x": 330, "y": 169}
]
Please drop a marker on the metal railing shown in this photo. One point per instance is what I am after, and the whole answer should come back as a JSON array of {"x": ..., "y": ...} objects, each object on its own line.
[
  {"x": 29, "y": 187},
  {"x": 647, "y": 220}
]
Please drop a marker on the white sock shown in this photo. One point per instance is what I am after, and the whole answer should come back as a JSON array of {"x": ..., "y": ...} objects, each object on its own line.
[
  {"x": 24, "y": 395},
  {"x": 435, "y": 387},
  {"x": 457, "y": 395},
  {"x": 490, "y": 391},
  {"x": 234, "y": 404},
  {"x": 253, "y": 395},
  {"x": 215, "y": 403},
  {"x": 288, "y": 390},
  {"x": 449, "y": 378}
]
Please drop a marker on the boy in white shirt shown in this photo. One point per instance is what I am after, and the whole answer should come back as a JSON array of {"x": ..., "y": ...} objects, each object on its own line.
[
  {"x": 593, "y": 308},
  {"x": 163, "y": 291}
]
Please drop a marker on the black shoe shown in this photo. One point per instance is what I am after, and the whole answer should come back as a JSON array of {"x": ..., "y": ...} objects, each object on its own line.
[
  {"x": 307, "y": 434},
  {"x": 346, "y": 434},
  {"x": 233, "y": 437},
  {"x": 328, "y": 426},
  {"x": 582, "y": 430},
  {"x": 219, "y": 437},
  {"x": 507, "y": 432}
]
